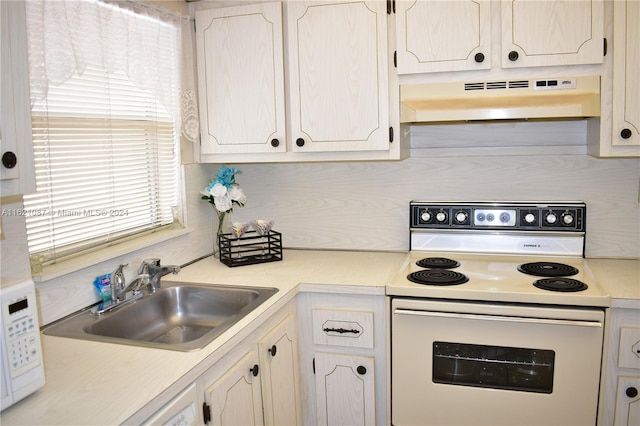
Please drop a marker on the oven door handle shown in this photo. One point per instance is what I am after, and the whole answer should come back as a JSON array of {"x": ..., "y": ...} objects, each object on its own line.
[{"x": 410, "y": 312}]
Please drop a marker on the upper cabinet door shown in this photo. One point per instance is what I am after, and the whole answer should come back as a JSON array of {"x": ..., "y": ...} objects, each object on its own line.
[
  {"x": 443, "y": 35},
  {"x": 241, "y": 79},
  {"x": 338, "y": 75},
  {"x": 626, "y": 81},
  {"x": 552, "y": 32}
]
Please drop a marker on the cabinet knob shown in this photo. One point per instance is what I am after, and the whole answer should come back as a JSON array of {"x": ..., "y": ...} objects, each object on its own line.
[
  {"x": 479, "y": 57},
  {"x": 272, "y": 350},
  {"x": 513, "y": 56},
  {"x": 361, "y": 370},
  {"x": 631, "y": 392},
  {"x": 275, "y": 143},
  {"x": 254, "y": 370},
  {"x": 624, "y": 133},
  {"x": 9, "y": 160},
  {"x": 300, "y": 142}
]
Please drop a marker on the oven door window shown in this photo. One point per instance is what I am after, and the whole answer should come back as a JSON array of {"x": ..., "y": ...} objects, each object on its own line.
[{"x": 495, "y": 367}]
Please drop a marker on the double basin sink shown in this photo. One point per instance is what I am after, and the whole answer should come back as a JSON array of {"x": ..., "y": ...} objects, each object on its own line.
[{"x": 183, "y": 317}]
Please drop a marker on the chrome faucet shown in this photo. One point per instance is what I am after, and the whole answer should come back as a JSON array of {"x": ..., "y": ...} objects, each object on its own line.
[
  {"x": 117, "y": 283},
  {"x": 155, "y": 271},
  {"x": 149, "y": 274}
]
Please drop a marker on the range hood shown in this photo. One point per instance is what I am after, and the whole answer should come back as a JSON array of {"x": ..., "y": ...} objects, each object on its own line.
[{"x": 541, "y": 98}]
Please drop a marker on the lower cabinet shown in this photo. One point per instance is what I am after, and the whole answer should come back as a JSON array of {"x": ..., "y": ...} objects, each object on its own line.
[
  {"x": 265, "y": 377},
  {"x": 343, "y": 358},
  {"x": 256, "y": 383},
  {"x": 621, "y": 379},
  {"x": 628, "y": 401},
  {"x": 183, "y": 410},
  {"x": 345, "y": 389},
  {"x": 235, "y": 398}
]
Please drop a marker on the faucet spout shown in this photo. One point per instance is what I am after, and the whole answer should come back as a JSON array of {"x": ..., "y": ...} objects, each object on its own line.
[{"x": 156, "y": 271}]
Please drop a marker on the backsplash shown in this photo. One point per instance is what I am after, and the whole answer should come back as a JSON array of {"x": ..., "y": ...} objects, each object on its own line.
[{"x": 365, "y": 205}]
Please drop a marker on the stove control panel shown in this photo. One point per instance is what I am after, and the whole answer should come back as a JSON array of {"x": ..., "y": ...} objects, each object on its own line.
[{"x": 566, "y": 217}]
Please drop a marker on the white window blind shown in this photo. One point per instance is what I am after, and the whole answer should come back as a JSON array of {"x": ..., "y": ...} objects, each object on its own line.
[{"x": 105, "y": 153}]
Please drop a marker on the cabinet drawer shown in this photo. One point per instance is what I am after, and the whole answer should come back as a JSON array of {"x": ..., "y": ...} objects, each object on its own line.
[
  {"x": 343, "y": 328},
  {"x": 629, "y": 350}
]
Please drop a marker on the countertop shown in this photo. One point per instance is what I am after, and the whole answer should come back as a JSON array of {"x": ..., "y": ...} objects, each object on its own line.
[
  {"x": 621, "y": 279},
  {"x": 100, "y": 383}
]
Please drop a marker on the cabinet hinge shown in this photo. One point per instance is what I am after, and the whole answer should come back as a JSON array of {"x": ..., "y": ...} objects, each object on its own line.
[
  {"x": 604, "y": 47},
  {"x": 206, "y": 413},
  {"x": 395, "y": 59},
  {"x": 390, "y": 134},
  {"x": 194, "y": 26}
]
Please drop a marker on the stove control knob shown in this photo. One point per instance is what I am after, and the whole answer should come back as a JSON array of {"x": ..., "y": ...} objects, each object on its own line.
[
  {"x": 426, "y": 216},
  {"x": 461, "y": 217},
  {"x": 529, "y": 218},
  {"x": 441, "y": 216},
  {"x": 551, "y": 218},
  {"x": 567, "y": 218}
]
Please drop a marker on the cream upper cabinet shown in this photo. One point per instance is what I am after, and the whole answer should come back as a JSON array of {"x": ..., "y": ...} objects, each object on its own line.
[
  {"x": 626, "y": 74},
  {"x": 617, "y": 133},
  {"x": 17, "y": 174},
  {"x": 338, "y": 75},
  {"x": 241, "y": 79},
  {"x": 552, "y": 32},
  {"x": 443, "y": 35}
]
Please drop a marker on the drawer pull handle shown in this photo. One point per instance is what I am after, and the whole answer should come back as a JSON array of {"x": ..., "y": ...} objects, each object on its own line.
[
  {"x": 361, "y": 370},
  {"x": 341, "y": 330},
  {"x": 631, "y": 392},
  {"x": 272, "y": 350}
]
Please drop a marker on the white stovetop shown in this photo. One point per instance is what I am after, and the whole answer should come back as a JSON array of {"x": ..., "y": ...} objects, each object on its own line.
[{"x": 496, "y": 278}]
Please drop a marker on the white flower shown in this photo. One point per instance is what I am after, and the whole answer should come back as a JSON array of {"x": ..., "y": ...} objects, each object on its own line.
[
  {"x": 219, "y": 190},
  {"x": 222, "y": 203},
  {"x": 237, "y": 194}
]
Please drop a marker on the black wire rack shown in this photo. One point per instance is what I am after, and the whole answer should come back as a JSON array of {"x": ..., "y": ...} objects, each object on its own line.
[{"x": 249, "y": 249}]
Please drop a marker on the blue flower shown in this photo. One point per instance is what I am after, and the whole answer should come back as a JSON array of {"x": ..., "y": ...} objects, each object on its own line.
[{"x": 226, "y": 176}]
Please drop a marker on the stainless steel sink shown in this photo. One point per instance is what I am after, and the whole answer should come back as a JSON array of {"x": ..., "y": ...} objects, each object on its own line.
[{"x": 184, "y": 317}]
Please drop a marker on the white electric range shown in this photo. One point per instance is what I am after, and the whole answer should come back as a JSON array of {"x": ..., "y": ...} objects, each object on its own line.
[{"x": 495, "y": 306}]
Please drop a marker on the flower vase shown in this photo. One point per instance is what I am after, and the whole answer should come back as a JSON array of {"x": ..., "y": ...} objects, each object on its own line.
[{"x": 216, "y": 241}]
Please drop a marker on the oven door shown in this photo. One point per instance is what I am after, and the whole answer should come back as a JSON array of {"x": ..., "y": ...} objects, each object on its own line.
[{"x": 474, "y": 363}]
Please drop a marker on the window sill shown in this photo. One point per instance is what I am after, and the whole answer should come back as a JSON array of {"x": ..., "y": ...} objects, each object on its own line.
[{"x": 68, "y": 266}]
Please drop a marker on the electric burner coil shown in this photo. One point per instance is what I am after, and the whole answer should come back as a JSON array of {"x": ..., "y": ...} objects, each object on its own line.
[
  {"x": 560, "y": 284},
  {"x": 438, "y": 263},
  {"x": 547, "y": 269},
  {"x": 438, "y": 277}
]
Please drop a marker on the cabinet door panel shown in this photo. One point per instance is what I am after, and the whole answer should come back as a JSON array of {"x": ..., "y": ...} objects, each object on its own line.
[
  {"x": 345, "y": 389},
  {"x": 183, "y": 410},
  {"x": 443, "y": 35},
  {"x": 241, "y": 79},
  {"x": 235, "y": 399},
  {"x": 626, "y": 80},
  {"x": 338, "y": 74},
  {"x": 279, "y": 362},
  {"x": 628, "y": 404},
  {"x": 552, "y": 32}
]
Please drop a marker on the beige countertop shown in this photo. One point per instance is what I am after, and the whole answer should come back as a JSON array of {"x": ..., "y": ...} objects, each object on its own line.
[
  {"x": 101, "y": 383},
  {"x": 621, "y": 278}
]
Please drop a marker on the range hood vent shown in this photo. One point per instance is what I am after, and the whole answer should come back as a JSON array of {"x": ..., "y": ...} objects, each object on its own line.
[{"x": 543, "y": 98}]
